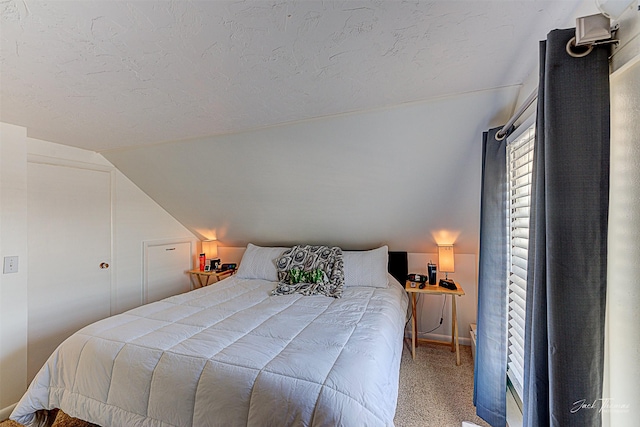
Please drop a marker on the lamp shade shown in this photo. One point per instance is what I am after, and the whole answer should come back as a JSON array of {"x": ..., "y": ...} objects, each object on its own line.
[
  {"x": 445, "y": 258},
  {"x": 210, "y": 248}
]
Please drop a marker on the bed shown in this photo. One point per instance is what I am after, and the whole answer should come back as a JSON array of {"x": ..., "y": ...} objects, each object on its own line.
[{"x": 234, "y": 354}]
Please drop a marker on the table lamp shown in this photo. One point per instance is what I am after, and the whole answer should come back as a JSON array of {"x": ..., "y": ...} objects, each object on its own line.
[
  {"x": 210, "y": 248},
  {"x": 446, "y": 264},
  {"x": 446, "y": 260}
]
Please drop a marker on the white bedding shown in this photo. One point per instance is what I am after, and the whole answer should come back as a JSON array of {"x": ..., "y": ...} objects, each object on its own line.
[{"x": 230, "y": 354}]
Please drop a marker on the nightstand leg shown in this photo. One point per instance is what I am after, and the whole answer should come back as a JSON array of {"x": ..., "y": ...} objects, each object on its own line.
[
  {"x": 414, "y": 325},
  {"x": 454, "y": 330},
  {"x": 453, "y": 323}
]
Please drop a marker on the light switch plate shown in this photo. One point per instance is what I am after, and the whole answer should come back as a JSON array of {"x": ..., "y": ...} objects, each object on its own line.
[{"x": 10, "y": 264}]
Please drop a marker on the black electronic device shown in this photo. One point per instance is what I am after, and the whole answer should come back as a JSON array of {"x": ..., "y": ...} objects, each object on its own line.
[
  {"x": 225, "y": 267},
  {"x": 448, "y": 284},
  {"x": 418, "y": 278}
]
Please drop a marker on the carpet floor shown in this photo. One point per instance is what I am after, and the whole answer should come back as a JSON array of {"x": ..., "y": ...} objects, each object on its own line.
[{"x": 433, "y": 391}]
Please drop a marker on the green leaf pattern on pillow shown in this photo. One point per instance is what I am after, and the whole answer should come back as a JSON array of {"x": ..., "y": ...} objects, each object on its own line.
[{"x": 297, "y": 275}]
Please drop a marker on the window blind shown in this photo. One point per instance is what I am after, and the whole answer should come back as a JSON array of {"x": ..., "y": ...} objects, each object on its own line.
[{"x": 519, "y": 171}]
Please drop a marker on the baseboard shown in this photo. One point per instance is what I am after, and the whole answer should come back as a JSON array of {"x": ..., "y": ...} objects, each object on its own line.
[
  {"x": 4, "y": 413},
  {"x": 438, "y": 339},
  {"x": 444, "y": 339}
]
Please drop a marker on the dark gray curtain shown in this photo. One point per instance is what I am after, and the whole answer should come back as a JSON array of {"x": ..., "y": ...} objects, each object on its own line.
[
  {"x": 490, "y": 379},
  {"x": 566, "y": 286}
]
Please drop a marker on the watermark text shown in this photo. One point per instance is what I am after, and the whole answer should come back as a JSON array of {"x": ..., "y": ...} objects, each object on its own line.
[{"x": 601, "y": 405}]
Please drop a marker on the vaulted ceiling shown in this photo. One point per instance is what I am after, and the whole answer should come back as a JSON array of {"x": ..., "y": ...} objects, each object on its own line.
[{"x": 103, "y": 75}]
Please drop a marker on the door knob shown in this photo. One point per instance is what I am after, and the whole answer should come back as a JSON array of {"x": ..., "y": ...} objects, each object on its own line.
[{"x": 104, "y": 265}]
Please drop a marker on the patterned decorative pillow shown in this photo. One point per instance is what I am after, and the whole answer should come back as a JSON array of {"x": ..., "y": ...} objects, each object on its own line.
[{"x": 307, "y": 258}]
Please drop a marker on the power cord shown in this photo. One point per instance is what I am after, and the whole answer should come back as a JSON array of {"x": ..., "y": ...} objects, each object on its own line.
[
  {"x": 444, "y": 300},
  {"x": 418, "y": 299}
]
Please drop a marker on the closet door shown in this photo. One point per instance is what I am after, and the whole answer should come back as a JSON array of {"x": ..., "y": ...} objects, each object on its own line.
[
  {"x": 166, "y": 270},
  {"x": 69, "y": 248}
]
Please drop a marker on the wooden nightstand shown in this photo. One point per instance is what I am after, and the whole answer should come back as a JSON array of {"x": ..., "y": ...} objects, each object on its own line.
[
  {"x": 203, "y": 277},
  {"x": 435, "y": 290}
]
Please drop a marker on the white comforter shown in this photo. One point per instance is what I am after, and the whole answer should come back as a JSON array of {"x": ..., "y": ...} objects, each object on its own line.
[{"x": 230, "y": 354}]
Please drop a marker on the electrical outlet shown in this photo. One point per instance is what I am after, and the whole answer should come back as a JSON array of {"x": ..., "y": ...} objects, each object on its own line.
[{"x": 10, "y": 264}]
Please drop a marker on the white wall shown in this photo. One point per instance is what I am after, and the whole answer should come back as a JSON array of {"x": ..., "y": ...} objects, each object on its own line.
[
  {"x": 136, "y": 219},
  {"x": 622, "y": 368},
  {"x": 13, "y": 242},
  {"x": 397, "y": 175}
]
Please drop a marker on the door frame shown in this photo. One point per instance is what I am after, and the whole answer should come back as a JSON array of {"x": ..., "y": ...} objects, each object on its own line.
[{"x": 55, "y": 161}]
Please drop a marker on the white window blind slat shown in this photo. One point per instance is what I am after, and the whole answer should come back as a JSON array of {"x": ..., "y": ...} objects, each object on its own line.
[
  {"x": 520, "y": 213},
  {"x": 520, "y": 248},
  {"x": 521, "y": 175},
  {"x": 516, "y": 311},
  {"x": 522, "y": 263},
  {"x": 516, "y": 372},
  {"x": 516, "y": 368},
  {"x": 520, "y": 252},
  {"x": 519, "y": 171},
  {"x": 520, "y": 272},
  {"x": 520, "y": 282},
  {"x": 520, "y": 190},
  {"x": 520, "y": 203},
  {"x": 520, "y": 223},
  {"x": 514, "y": 341},
  {"x": 520, "y": 240},
  {"x": 516, "y": 325},
  {"x": 515, "y": 287}
]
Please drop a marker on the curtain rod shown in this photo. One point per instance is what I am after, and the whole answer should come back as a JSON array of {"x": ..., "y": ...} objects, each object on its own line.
[
  {"x": 503, "y": 132},
  {"x": 571, "y": 44}
]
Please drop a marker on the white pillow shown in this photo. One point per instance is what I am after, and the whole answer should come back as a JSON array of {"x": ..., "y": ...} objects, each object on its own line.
[
  {"x": 259, "y": 263},
  {"x": 366, "y": 268}
]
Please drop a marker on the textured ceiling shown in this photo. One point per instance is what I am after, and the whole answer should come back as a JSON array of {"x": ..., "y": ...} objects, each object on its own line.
[{"x": 104, "y": 75}]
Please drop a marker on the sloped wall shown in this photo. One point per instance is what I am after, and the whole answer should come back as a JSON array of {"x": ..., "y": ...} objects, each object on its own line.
[{"x": 405, "y": 176}]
